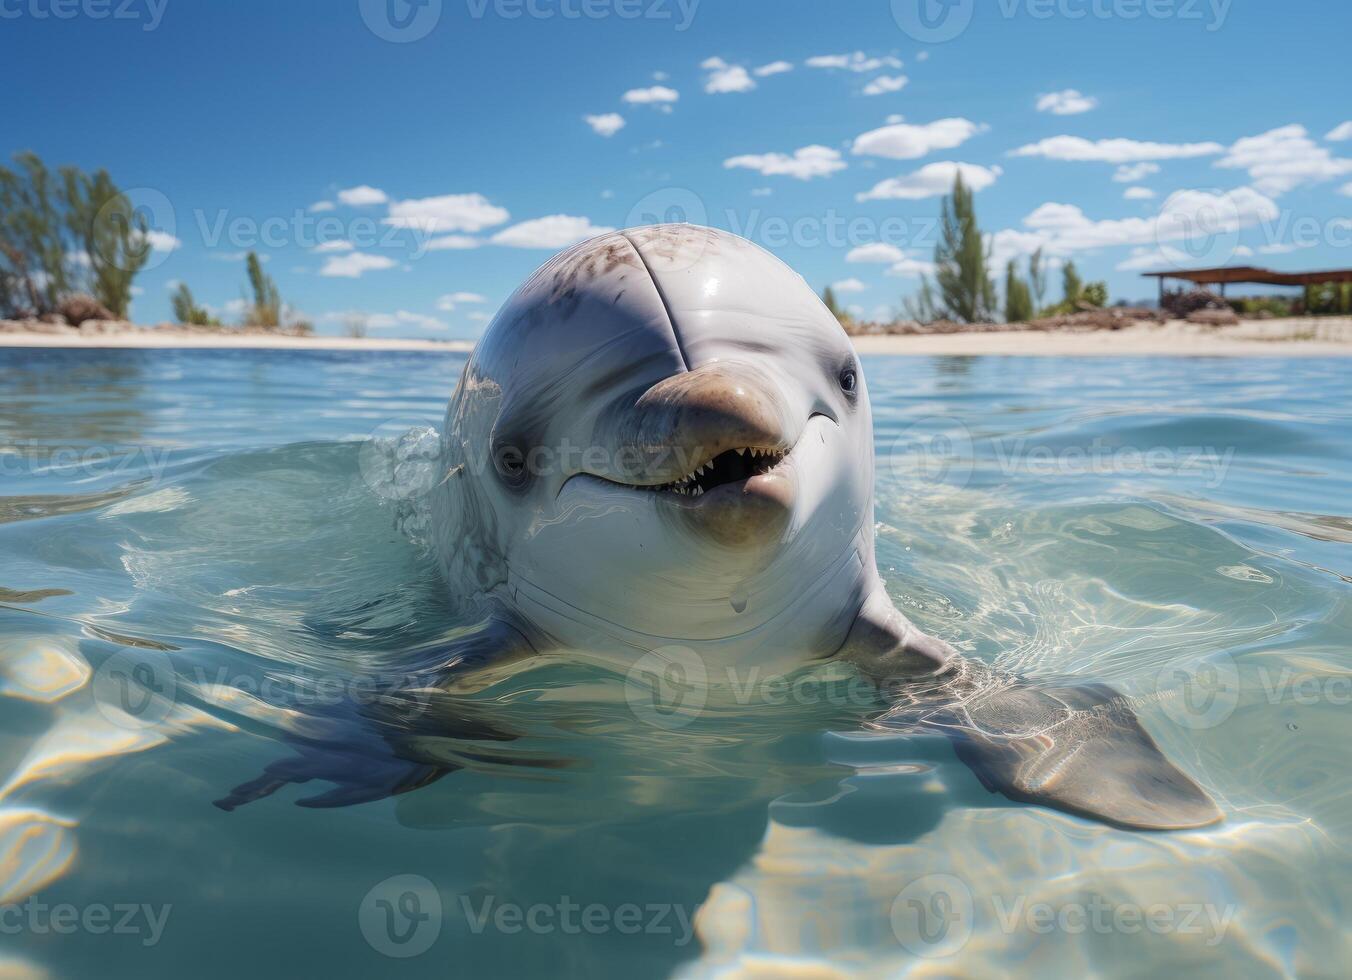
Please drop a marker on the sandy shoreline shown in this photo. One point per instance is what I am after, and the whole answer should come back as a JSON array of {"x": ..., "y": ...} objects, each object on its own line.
[{"x": 1324, "y": 337}]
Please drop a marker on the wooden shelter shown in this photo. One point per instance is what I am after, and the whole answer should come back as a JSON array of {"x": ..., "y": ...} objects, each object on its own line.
[{"x": 1250, "y": 274}]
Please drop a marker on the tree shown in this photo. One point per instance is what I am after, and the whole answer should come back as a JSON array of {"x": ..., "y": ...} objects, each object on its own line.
[
  {"x": 922, "y": 307},
  {"x": 113, "y": 235},
  {"x": 960, "y": 260},
  {"x": 1095, "y": 294},
  {"x": 267, "y": 300},
  {"x": 33, "y": 252},
  {"x": 1037, "y": 279},
  {"x": 186, "y": 309},
  {"x": 1018, "y": 299},
  {"x": 829, "y": 299},
  {"x": 1073, "y": 286}
]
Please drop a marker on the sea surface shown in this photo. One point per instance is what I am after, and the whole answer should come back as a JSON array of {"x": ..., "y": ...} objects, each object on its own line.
[{"x": 195, "y": 546}]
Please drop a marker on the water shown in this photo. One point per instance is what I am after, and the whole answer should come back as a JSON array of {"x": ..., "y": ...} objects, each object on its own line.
[{"x": 1179, "y": 528}]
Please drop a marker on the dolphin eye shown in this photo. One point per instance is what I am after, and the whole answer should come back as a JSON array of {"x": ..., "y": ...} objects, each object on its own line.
[
  {"x": 849, "y": 379},
  {"x": 511, "y": 465}
]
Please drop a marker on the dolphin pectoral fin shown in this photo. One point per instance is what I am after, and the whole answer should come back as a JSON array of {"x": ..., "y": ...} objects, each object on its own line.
[
  {"x": 1074, "y": 747},
  {"x": 393, "y": 738},
  {"x": 1094, "y": 759}
]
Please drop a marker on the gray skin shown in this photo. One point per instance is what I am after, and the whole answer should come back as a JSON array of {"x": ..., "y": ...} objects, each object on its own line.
[{"x": 676, "y": 349}]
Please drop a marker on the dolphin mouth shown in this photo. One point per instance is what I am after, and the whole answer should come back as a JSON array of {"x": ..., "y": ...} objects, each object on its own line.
[{"x": 730, "y": 467}]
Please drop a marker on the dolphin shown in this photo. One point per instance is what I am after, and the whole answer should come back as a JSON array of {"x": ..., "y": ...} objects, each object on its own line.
[{"x": 662, "y": 447}]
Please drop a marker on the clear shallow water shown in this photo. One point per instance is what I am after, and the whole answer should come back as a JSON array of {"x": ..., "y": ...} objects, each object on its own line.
[{"x": 1180, "y": 528}]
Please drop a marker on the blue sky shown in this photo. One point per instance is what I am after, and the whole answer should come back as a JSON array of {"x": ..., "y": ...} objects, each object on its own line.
[{"x": 454, "y": 164}]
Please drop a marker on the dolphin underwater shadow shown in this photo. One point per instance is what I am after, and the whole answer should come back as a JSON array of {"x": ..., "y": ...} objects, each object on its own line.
[{"x": 659, "y": 458}]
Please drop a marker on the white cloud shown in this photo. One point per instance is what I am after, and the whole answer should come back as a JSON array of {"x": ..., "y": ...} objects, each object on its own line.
[
  {"x": 761, "y": 192},
  {"x": 449, "y": 212},
  {"x": 857, "y": 61},
  {"x": 385, "y": 321},
  {"x": 903, "y": 141},
  {"x": 655, "y": 95},
  {"x": 1340, "y": 133},
  {"x": 1283, "y": 159},
  {"x": 446, "y": 243},
  {"x": 337, "y": 245},
  {"x": 806, "y": 162},
  {"x": 1282, "y": 248},
  {"x": 362, "y": 196},
  {"x": 1130, "y": 173},
  {"x": 450, "y": 301},
  {"x": 320, "y": 206},
  {"x": 932, "y": 180},
  {"x": 1113, "y": 150},
  {"x": 922, "y": 56},
  {"x": 1138, "y": 194},
  {"x": 884, "y": 84},
  {"x": 875, "y": 252},
  {"x": 909, "y": 268},
  {"x": 660, "y": 76},
  {"x": 724, "y": 78},
  {"x": 1164, "y": 257},
  {"x": 552, "y": 231},
  {"x": 162, "y": 241},
  {"x": 773, "y": 68},
  {"x": 1066, "y": 103},
  {"x": 850, "y": 285},
  {"x": 354, "y": 264},
  {"x": 1345, "y": 190},
  {"x": 606, "y": 124},
  {"x": 1191, "y": 215}
]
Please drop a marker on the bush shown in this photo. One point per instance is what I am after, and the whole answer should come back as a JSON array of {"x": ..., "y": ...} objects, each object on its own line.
[{"x": 79, "y": 307}]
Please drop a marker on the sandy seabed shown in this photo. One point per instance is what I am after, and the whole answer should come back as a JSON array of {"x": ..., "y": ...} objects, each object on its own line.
[{"x": 1300, "y": 337}]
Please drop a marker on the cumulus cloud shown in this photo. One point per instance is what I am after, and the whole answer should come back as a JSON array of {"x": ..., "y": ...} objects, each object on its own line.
[
  {"x": 806, "y": 162},
  {"x": 363, "y": 195},
  {"x": 723, "y": 77},
  {"x": 1130, "y": 173},
  {"x": 910, "y": 268},
  {"x": 450, "y": 301},
  {"x": 446, "y": 213},
  {"x": 162, "y": 241},
  {"x": 321, "y": 206},
  {"x": 1113, "y": 150},
  {"x": 932, "y": 180},
  {"x": 654, "y": 95},
  {"x": 447, "y": 243},
  {"x": 388, "y": 321},
  {"x": 606, "y": 124},
  {"x": 857, "y": 61},
  {"x": 850, "y": 285},
  {"x": 337, "y": 245},
  {"x": 551, "y": 231},
  {"x": 903, "y": 141},
  {"x": 1069, "y": 102},
  {"x": 1164, "y": 257},
  {"x": 884, "y": 84},
  {"x": 773, "y": 68},
  {"x": 1138, "y": 194},
  {"x": 1283, "y": 159},
  {"x": 354, "y": 264},
  {"x": 879, "y": 252},
  {"x": 1340, "y": 133},
  {"x": 1346, "y": 190}
]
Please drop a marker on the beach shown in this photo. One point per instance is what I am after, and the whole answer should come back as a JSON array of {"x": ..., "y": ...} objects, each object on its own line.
[{"x": 1295, "y": 337}]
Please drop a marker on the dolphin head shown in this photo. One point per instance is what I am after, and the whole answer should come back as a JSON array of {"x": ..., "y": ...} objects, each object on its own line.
[{"x": 663, "y": 437}]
